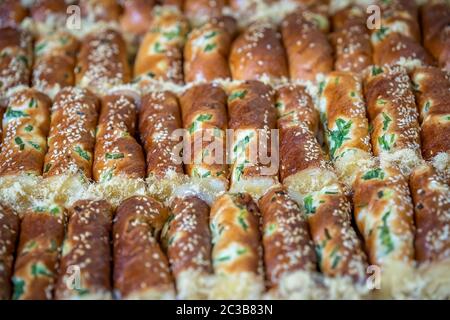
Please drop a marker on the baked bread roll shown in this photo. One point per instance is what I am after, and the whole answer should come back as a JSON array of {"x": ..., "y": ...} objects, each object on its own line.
[
  {"x": 435, "y": 18},
  {"x": 86, "y": 245},
  {"x": 188, "y": 243},
  {"x": 15, "y": 59},
  {"x": 100, "y": 10},
  {"x": 160, "y": 53},
  {"x": 10, "y": 222},
  {"x": 203, "y": 108},
  {"x": 351, "y": 41},
  {"x": 25, "y": 127},
  {"x": 346, "y": 126},
  {"x": 54, "y": 62},
  {"x": 72, "y": 133},
  {"x": 136, "y": 15},
  {"x": 35, "y": 269},
  {"x": 252, "y": 115},
  {"x": 102, "y": 61},
  {"x": 393, "y": 116},
  {"x": 308, "y": 51},
  {"x": 159, "y": 122},
  {"x": 258, "y": 53},
  {"x": 11, "y": 13},
  {"x": 288, "y": 248},
  {"x": 200, "y": 11},
  {"x": 206, "y": 54},
  {"x": 384, "y": 216},
  {"x": 119, "y": 163},
  {"x": 141, "y": 269},
  {"x": 236, "y": 252},
  {"x": 432, "y": 91}
]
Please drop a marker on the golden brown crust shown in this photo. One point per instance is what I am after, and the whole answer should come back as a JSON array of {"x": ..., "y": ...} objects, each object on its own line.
[
  {"x": 136, "y": 15},
  {"x": 431, "y": 196},
  {"x": 54, "y": 62},
  {"x": 338, "y": 248},
  {"x": 15, "y": 58},
  {"x": 297, "y": 124},
  {"x": 87, "y": 246},
  {"x": 307, "y": 48},
  {"x": 251, "y": 115},
  {"x": 432, "y": 90},
  {"x": 11, "y": 13},
  {"x": 159, "y": 117},
  {"x": 160, "y": 53},
  {"x": 396, "y": 48},
  {"x": 234, "y": 223},
  {"x": 10, "y": 222},
  {"x": 35, "y": 270},
  {"x": 139, "y": 263},
  {"x": 26, "y": 124},
  {"x": 117, "y": 153},
  {"x": 392, "y": 111},
  {"x": 346, "y": 124},
  {"x": 188, "y": 238},
  {"x": 201, "y": 10},
  {"x": 435, "y": 18},
  {"x": 257, "y": 53},
  {"x": 102, "y": 61},
  {"x": 352, "y": 47},
  {"x": 384, "y": 215},
  {"x": 204, "y": 112},
  {"x": 286, "y": 240},
  {"x": 206, "y": 54},
  {"x": 100, "y": 10},
  {"x": 72, "y": 133},
  {"x": 347, "y": 17}
]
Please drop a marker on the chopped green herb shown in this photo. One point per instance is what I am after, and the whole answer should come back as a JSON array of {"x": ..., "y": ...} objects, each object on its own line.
[
  {"x": 10, "y": 114},
  {"x": 321, "y": 87},
  {"x": 271, "y": 228},
  {"x": 117, "y": 155},
  {"x": 237, "y": 95},
  {"x": 223, "y": 258},
  {"x": 34, "y": 145},
  {"x": 32, "y": 103},
  {"x": 19, "y": 289},
  {"x": 170, "y": 35},
  {"x": 158, "y": 48},
  {"x": 339, "y": 135},
  {"x": 381, "y": 101},
  {"x": 82, "y": 153},
  {"x": 19, "y": 142},
  {"x": 106, "y": 175},
  {"x": 386, "y": 141},
  {"x": 38, "y": 269},
  {"x": 40, "y": 47},
  {"x": 28, "y": 128},
  {"x": 380, "y": 34},
  {"x": 376, "y": 70},
  {"x": 210, "y": 35},
  {"x": 47, "y": 167},
  {"x": 308, "y": 205},
  {"x": 427, "y": 106},
  {"x": 385, "y": 234},
  {"x": 209, "y": 47},
  {"x": 386, "y": 121},
  {"x": 374, "y": 174},
  {"x": 241, "y": 220},
  {"x": 241, "y": 251}
]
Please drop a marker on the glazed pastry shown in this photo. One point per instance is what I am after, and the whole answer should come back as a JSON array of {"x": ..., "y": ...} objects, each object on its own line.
[
  {"x": 141, "y": 269},
  {"x": 236, "y": 252},
  {"x": 307, "y": 48},
  {"x": 206, "y": 54},
  {"x": 188, "y": 243},
  {"x": 200, "y": 11},
  {"x": 85, "y": 267},
  {"x": 432, "y": 90},
  {"x": 15, "y": 59},
  {"x": 204, "y": 112},
  {"x": 257, "y": 53},
  {"x": 26, "y": 124},
  {"x": 252, "y": 116},
  {"x": 393, "y": 116},
  {"x": 54, "y": 62},
  {"x": 117, "y": 153},
  {"x": 72, "y": 133},
  {"x": 346, "y": 125},
  {"x": 351, "y": 41},
  {"x": 435, "y": 18},
  {"x": 288, "y": 247},
  {"x": 10, "y": 222},
  {"x": 35, "y": 269},
  {"x": 136, "y": 15},
  {"x": 102, "y": 61},
  {"x": 160, "y": 53}
]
